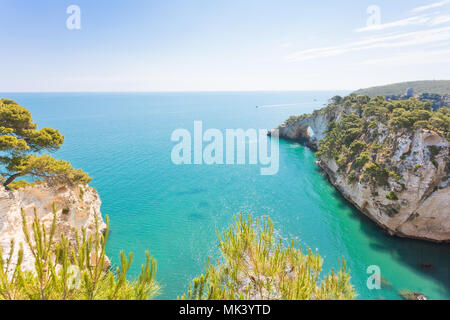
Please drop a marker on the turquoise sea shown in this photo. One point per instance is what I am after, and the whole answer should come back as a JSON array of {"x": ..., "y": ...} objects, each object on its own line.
[{"x": 123, "y": 141}]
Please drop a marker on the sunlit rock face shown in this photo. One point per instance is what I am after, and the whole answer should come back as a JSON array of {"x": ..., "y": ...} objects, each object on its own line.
[
  {"x": 311, "y": 128},
  {"x": 76, "y": 208},
  {"x": 422, "y": 210}
]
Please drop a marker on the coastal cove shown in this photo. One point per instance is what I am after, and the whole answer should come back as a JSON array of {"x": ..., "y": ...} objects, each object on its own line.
[{"x": 123, "y": 141}]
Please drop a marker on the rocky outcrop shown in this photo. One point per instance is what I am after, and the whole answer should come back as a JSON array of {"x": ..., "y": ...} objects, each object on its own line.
[
  {"x": 77, "y": 208},
  {"x": 421, "y": 206},
  {"x": 310, "y": 128}
]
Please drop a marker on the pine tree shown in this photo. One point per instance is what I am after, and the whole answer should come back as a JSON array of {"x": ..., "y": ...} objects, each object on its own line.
[
  {"x": 21, "y": 147},
  {"x": 256, "y": 265}
]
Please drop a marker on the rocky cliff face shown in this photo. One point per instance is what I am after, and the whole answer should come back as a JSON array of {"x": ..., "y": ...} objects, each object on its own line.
[
  {"x": 77, "y": 208},
  {"x": 310, "y": 128},
  {"x": 421, "y": 205}
]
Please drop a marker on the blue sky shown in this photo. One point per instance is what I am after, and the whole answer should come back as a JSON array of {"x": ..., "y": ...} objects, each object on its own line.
[{"x": 143, "y": 45}]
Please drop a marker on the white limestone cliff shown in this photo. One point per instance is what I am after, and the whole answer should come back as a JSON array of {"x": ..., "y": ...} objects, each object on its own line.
[
  {"x": 422, "y": 210},
  {"x": 77, "y": 208}
]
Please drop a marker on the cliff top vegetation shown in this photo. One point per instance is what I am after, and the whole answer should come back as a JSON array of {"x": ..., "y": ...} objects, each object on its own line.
[{"x": 363, "y": 141}]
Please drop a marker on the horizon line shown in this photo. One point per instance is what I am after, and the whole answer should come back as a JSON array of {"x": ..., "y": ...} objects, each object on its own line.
[
  {"x": 212, "y": 91},
  {"x": 178, "y": 91}
]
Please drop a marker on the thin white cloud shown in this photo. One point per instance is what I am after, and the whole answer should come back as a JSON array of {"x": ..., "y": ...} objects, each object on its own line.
[
  {"x": 440, "y": 20},
  {"x": 431, "y": 6},
  {"x": 434, "y": 35},
  {"x": 429, "y": 20},
  {"x": 417, "y": 20}
]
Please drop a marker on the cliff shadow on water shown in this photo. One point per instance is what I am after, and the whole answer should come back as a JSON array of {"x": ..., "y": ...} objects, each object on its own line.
[{"x": 406, "y": 264}]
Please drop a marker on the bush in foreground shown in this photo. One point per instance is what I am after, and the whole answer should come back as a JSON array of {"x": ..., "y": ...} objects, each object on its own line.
[
  {"x": 68, "y": 271},
  {"x": 256, "y": 265}
]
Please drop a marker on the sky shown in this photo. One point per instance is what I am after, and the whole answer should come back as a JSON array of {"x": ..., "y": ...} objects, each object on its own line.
[{"x": 233, "y": 45}]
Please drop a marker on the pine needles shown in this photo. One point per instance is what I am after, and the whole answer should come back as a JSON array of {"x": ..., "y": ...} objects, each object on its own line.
[
  {"x": 70, "y": 270},
  {"x": 256, "y": 265}
]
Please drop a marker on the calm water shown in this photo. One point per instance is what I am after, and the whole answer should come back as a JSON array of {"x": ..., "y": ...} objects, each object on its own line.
[{"x": 123, "y": 141}]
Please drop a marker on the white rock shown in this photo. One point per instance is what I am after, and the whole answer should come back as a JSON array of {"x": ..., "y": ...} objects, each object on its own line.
[{"x": 76, "y": 209}]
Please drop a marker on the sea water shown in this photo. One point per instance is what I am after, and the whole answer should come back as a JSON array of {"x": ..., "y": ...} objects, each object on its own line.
[{"x": 123, "y": 141}]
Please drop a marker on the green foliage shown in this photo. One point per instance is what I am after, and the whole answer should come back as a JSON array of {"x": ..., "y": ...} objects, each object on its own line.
[
  {"x": 49, "y": 169},
  {"x": 361, "y": 160},
  {"x": 391, "y": 196},
  {"x": 336, "y": 100},
  {"x": 21, "y": 144},
  {"x": 395, "y": 175},
  {"x": 356, "y": 147},
  {"x": 437, "y": 100},
  {"x": 375, "y": 148},
  {"x": 342, "y": 159},
  {"x": 70, "y": 271},
  {"x": 416, "y": 117},
  {"x": 372, "y": 124},
  {"x": 440, "y": 121},
  {"x": 378, "y": 173},
  {"x": 19, "y": 184},
  {"x": 353, "y": 141},
  {"x": 343, "y": 133},
  {"x": 352, "y": 177},
  {"x": 256, "y": 265},
  {"x": 292, "y": 119}
]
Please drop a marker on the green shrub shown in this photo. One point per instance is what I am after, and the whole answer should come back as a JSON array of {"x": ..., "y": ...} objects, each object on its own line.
[
  {"x": 20, "y": 184},
  {"x": 421, "y": 124},
  {"x": 391, "y": 196},
  {"x": 372, "y": 124},
  {"x": 356, "y": 147},
  {"x": 361, "y": 160},
  {"x": 256, "y": 265},
  {"x": 341, "y": 134},
  {"x": 378, "y": 173},
  {"x": 292, "y": 120},
  {"x": 352, "y": 177},
  {"x": 395, "y": 175},
  {"x": 376, "y": 147},
  {"x": 68, "y": 271}
]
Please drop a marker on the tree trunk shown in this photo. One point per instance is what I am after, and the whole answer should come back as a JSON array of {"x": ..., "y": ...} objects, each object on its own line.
[{"x": 11, "y": 179}]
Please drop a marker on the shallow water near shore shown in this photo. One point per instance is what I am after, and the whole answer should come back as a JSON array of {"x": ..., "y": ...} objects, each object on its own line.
[{"x": 123, "y": 141}]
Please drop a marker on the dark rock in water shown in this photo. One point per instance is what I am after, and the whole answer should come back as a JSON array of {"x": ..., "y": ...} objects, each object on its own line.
[
  {"x": 196, "y": 216},
  {"x": 191, "y": 191},
  {"x": 411, "y": 295},
  {"x": 426, "y": 266},
  {"x": 203, "y": 205}
]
